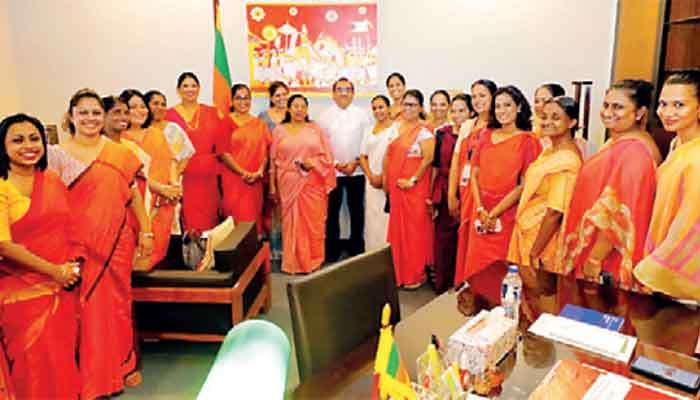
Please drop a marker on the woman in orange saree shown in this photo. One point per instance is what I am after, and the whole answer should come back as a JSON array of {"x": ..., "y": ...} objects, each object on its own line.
[
  {"x": 614, "y": 193},
  {"x": 204, "y": 125},
  {"x": 38, "y": 319},
  {"x": 162, "y": 180},
  {"x": 244, "y": 155},
  {"x": 672, "y": 253},
  {"x": 407, "y": 181},
  {"x": 100, "y": 176},
  {"x": 301, "y": 176},
  {"x": 459, "y": 193},
  {"x": 500, "y": 161}
]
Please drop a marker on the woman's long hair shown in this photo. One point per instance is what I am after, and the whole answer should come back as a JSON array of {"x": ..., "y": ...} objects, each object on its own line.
[{"x": 5, "y": 126}]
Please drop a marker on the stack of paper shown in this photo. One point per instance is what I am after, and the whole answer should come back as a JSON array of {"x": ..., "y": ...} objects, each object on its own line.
[{"x": 610, "y": 344}]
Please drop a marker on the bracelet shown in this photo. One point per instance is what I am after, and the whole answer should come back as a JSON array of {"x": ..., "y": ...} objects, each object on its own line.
[
  {"x": 480, "y": 209},
  {"x": 413, "y": 180},
  {"x": 146, "y": 234}
]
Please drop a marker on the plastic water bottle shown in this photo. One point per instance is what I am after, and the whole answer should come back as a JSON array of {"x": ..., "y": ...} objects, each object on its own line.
[{"x": 511, "y": 289}]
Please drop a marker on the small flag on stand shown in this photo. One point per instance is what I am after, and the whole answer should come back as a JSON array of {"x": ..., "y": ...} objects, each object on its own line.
[
  {"x": 390, "y": 375},
  {"x": 222, "y": 75}
]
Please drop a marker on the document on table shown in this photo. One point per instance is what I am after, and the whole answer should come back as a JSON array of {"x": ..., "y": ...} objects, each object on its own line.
[
  {"x": 608, "y": 387},
  {"x": 588, "y": 337}
]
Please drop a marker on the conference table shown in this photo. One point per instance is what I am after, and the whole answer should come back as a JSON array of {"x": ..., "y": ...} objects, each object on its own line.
[{"x": 667, "y": 331}]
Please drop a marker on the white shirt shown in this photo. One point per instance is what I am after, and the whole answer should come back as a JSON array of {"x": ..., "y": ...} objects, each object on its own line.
[
  {"x": 374, "y": 146},
  {"x": 345, "y": 129}
]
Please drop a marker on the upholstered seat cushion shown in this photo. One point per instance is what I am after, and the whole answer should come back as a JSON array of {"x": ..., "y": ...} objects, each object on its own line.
[{"x": 231, "y": 258}]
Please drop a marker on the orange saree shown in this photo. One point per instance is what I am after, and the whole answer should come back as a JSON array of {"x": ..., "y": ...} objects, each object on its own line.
[
  {"x": 466, "y": 149},
  {"x": 201, "y": 197},
  {"x": 99, "y": 194},
  {"x": 303, "y": 195},
  {"x": 501, "y": 168},
  {"x": 162, "y": 211},
  {"x": 411, "y": 229},
  {"x": 249, "y": 146},
  {"x": 39, "y": 319},
  {"x": 613, "y": 196}
]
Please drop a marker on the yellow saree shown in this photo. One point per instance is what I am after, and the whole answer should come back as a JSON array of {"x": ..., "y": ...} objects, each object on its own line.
[
  {"x": 672, "y": 251},
  {"x": 549, "y": 183}
]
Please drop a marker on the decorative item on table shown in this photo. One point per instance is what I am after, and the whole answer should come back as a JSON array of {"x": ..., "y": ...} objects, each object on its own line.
[
  {"x": 480, "y": 343},
  {"x": 391, "y": 379}
]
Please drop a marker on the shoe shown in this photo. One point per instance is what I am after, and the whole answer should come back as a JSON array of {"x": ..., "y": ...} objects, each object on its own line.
[
  {"x": 133, "y": 379},
  {"x": 413, "y": 286}
]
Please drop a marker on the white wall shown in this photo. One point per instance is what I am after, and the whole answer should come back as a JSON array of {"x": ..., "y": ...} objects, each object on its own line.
[
  {"x": 63, "y": 45},
  {"x": 9, "y": 99}
]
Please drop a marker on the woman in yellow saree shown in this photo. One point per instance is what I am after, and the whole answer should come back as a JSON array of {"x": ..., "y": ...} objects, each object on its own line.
[
  {"x": 672, "y": 252},
  {"x": 548, "y": 187}
]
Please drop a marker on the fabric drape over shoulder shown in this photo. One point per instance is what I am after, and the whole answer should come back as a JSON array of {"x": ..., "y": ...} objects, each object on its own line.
[
  {"x": 303, "y": 195},
  {"x": 38, "y": 319},
  {"x": 249, "y": 146},
  {"x": 99, "y": 194},
  {"x": 613, "y": 196},
  {"x": 549, "y": 184},
  {"x": 672, "y": 262}
]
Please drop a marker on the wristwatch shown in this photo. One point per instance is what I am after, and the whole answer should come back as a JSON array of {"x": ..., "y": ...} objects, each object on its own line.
[{"x": 413, "y": 180}]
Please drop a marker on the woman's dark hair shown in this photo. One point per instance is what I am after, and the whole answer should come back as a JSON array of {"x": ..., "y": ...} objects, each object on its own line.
[
  {"x": 111, "y": 101},
  {"x": 441, "y": 92},
  {"x": 570, "y": 107},
  {"x": 488, "y": 84},
  {"x": 153, "y": 93},
  {"x": 554, "y": 89},
  {"x": 382, "y": 98},
  {"x": 416, "y": 94},
  {"x": 185, "y": 75},
  {"x": 467, "y": 99},
  {"x": 288, "y": 115},
  {"x": 523, "y": 119},
  {"x": 274, "y": 86},
  {"x": 5, "y": 127},
  {"x": 395, "y": 75},
  {"x": 688, "y": 77},
  {"x": 639, "y": 91},
  {"x": 235, "y": 88},
  {"x": 67, "y": 124},
  {"x": 127, "y": 94}
]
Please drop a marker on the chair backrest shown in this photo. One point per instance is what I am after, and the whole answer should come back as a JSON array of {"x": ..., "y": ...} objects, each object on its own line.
[
  {"x": 252, "y": 363},
  {"x": 339, "y": 308}
]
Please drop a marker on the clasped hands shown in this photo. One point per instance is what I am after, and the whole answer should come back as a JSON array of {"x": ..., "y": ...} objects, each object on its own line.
[
  {"x": 489, "y": 222},
  {"x": 252, "y": 177},
  {"x": 347, "y": 168}
]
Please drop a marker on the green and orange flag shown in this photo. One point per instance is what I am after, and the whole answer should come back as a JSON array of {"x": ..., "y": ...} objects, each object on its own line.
[{"x": 222, "y": 75}]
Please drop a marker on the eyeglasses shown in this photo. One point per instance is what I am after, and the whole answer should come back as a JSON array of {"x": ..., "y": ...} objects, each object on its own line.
[
  {"x": 410, "y": 105},
  {"x": 344, "y": 90},
  {"x": 241, "y": 98}
]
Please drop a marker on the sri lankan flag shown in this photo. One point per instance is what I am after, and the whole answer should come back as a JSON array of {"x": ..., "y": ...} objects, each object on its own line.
[
  {"x": 222, "y": 76},
  {"x": 390, "y": 375}
]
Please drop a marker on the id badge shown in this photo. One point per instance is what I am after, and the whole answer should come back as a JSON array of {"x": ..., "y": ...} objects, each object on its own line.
[{"x": 466, "y": 173}]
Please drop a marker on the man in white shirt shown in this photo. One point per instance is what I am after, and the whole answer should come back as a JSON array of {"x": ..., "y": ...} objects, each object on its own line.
[{"x": 345, "y": 125}]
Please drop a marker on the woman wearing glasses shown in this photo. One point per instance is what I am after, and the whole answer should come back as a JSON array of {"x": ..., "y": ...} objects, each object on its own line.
[
  {"x": 244, "y": 153},
  {"x": 407, "y": 181}
]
